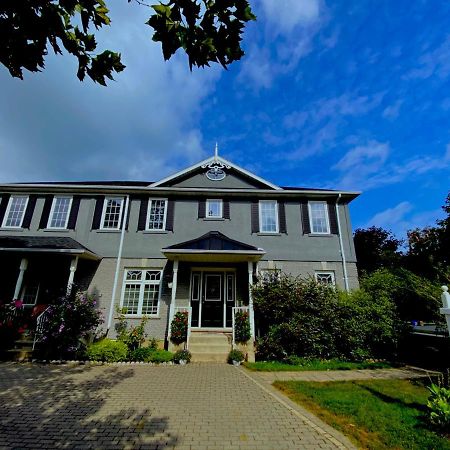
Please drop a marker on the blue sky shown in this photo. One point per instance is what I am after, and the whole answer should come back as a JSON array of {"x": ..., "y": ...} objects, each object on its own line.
[{"x": 329, "y": 94}]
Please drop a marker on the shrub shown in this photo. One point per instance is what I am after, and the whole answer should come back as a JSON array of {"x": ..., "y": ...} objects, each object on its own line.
[
  {"x": 72, "y": 321},
  {"x": 235, "y": 355},
  {"x": 182, "y": 355},
  {"x": 160, "y": 356},
  {"x": 179, "y": 327},
  {"x": 241, "y": 327},
  {"x": 107, "y": 350},
  {"x": 438, "y": 406},
  {"x": 133, "y": 337},
  {"x": 141, "y": 354}
]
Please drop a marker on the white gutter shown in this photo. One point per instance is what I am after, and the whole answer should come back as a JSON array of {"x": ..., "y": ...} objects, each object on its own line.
[
  {"x": 119, "y": 256},
  {"x": 341, "y": 245}
]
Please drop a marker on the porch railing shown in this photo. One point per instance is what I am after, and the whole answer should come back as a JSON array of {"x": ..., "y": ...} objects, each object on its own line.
[
  {"x": 40, "y": 324},
  {"x": 187, "y": 309},
  {"x": 235, "y": 310}
]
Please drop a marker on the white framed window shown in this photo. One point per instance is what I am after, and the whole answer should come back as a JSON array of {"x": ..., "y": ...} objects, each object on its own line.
[
  {"x": 15, "y": 211},
  {"x": 112, "y": 213},
  {"x": 59, "y": 213},
  {"x": 157, "y": 214},
  {"x": 141, "y": 292},
  {"x": 214, "y": 208},
  {"x": 268, "y": 216},
  {"x": 269, "y": 275},
  {"x": 318, "y": 217},
  {"x": 30, "y": 294},
  {"x": 325, "y": 278}
]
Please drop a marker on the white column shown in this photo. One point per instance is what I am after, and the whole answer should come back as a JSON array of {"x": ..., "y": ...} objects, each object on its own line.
[
  {"x": 445, "y": 297},
  {"x": 23, "y": 267},
  {"x": 73, "y": 268},
  {"x": 250, "y": 300},
  {"x": 174, "y": 293}
]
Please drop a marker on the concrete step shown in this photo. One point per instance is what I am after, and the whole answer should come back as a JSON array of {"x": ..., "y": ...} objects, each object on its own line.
[
  {"x": 210, "y": 338},
  {"x": 209, "y": 348},
  {"x": 209, "y": 357},
  {"x": 24, "y": 342}
]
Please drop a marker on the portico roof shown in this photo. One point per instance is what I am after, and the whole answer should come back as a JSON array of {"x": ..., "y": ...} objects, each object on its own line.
[
  {"x": 213, "y": 246},
  {"x": 44, "y": 244}
]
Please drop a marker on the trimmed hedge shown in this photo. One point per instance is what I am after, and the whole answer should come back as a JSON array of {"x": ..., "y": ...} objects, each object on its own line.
[{"x": 107, "y": 350}]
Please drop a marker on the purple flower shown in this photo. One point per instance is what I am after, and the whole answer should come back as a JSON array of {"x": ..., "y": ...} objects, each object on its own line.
[{"x": 61, "y": 328}]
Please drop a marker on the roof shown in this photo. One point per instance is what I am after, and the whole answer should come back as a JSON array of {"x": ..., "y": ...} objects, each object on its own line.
[
  {"x": 44, "y": 244},
  {"x": 214, "y": 240}
]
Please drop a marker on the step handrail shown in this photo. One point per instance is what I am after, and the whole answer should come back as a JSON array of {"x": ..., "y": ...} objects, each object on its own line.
[{"x": 40, "y": 322}]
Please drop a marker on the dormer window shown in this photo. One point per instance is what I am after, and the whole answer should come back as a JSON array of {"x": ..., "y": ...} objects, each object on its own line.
[{"x": 214, "y": 209}]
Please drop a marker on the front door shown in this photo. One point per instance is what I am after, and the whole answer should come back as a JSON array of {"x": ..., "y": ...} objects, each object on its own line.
[{"x": 212, "y": 298}]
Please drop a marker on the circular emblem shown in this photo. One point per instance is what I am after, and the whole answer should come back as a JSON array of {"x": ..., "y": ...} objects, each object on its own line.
[{"x": 216, "y": 174}]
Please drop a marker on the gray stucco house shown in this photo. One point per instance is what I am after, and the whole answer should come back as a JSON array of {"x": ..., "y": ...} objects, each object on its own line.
[{"x": 196, "y": 239}]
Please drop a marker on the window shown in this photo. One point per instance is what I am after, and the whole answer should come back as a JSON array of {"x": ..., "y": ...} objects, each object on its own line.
[
  {"x": 112, "y": 212},
  {"x": 325, "y": 278},
  {"x": 214, "y": 209},
  {"x": 268, "y": 216},
  {"x": 141, "y": 290},
  {"x": 318, "y": 213},
  {"x": 30, "y": 294},
  {"x": 157, "y": 213},
  {"x": 59, "y": 214},
  {"x": 15, "y": 211}
]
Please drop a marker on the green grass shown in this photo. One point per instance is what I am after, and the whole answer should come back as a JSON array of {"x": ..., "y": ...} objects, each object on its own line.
[
  {"x": 376, "y": 414},
  {"x": 332, "y": 364}
]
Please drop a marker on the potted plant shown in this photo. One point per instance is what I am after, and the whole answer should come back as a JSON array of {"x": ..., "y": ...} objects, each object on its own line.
[
  {"x": 235, "y": 357},
  {"x": 182, "y": 357},
  {"x": 179, "y": 327}
]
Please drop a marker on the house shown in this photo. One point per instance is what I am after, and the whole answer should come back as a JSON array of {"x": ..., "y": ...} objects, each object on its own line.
[{"x": 196, "y": 239}]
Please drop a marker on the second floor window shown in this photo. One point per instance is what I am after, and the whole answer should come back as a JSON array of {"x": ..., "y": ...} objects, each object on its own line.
[
  {"x": 214, "y": 209},
  {"x": 59, "y": 214},
  {"x": 318, "y": 214},
  {"x": 157, "y": 212},
  {"x": 112, "y": 212},
  {"x": 15, "y": 211},
  {"x": 268, "y": 216}
]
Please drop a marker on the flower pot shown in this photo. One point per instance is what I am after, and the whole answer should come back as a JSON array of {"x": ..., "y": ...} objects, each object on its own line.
[
  {"x": 182, "y": 362},
  {"x": 236, "y": 363}
]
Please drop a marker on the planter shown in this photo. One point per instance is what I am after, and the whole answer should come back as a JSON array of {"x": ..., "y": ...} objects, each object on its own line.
[
  {"x": 182, "y": 362},
  {"x": 236, "y": 363}
]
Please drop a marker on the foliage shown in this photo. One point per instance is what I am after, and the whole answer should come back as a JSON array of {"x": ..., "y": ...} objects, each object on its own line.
[
  {"x": 375, "y": 414},
  {"x": 11, "y": 318},
  {"x": 241, "y": 327},
  {"x": 376, "y": 248},
  {"x": 179, "y": 327},
  {"x": 208, "y": 31},
  {"x": 235, "y": 355},
  {"x": 307, "y": 319},
  {"x": 160, "y": 356},
  {"x": 438, "y": 406},
  {"x": 182, "y": 355},
  {"x": 133, "y": 337},
  {"x": 72, "y": 320},
  {"x": 296, "y": 364},
  {"x": 107, "y": 350}
]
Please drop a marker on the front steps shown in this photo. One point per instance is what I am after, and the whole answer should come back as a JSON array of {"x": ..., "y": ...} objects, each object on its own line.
[
  {"x": 22, "y": 350},
  {"x": 207, "y": 346}
]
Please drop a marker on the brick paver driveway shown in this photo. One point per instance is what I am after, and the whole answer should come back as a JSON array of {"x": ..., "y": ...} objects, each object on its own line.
[{"x": 197, "y": 406}]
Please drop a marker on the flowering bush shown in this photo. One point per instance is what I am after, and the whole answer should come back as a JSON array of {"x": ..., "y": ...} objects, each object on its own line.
[
  {"x": 11, "y": 322},
  {"x": 179, "y": 327},
  {"x": 133, "y": 337},
  {"x": 241, "y": 327},
  {"x": 71, "y": 320}
]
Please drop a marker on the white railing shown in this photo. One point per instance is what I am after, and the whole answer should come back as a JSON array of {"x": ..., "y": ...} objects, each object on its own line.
[
  {"x": 187, "y": 309},
  {"x": 235, "y": 310},
  {"x": 40, "y": 323}
]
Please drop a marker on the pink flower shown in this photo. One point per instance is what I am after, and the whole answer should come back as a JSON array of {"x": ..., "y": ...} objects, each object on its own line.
[{"x": 18, "y": 303}]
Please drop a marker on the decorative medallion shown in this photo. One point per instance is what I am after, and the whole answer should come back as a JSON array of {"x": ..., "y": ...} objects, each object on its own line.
[{"x": 216, "y": 170}]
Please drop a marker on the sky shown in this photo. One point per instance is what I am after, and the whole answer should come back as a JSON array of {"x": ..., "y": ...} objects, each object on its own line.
[{"x": 330, "y": 94}]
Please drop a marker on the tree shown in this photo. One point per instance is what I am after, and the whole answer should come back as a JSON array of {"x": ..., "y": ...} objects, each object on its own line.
[
  {"x": 376, "y": 248},
  {"x": 207, "y": 30}
]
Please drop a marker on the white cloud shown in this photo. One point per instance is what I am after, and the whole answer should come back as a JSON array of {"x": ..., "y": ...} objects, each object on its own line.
[
  {"x": 257, "y": 71},
  {"x": 390, "y": 217},
  {"x": 392, "y": 111},
  {"x": 368, "y": 158}
]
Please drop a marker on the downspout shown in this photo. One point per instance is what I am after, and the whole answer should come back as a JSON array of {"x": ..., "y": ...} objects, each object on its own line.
[
  {"x": 341, "y": 245},
  {"x": 119, "y": 257}
]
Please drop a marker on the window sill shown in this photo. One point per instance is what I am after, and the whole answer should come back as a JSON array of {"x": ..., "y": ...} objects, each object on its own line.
[
  {"x": 214, "y": 219},
  {"x": 12, "y": 229},
  {"x": 327, "y": 235},
  {"x": 141, "y": 316},
  {"x": 108, "y": 231},
  {"x": 154, "y": 231},
  {"x": 268, "y": 234},
  {"x": 59, "y": 230}
]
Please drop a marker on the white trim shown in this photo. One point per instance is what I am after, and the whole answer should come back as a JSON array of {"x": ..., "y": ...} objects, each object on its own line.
[
  {"x": 105, "y": 203},
  {"x": 141, "y": 283},
  {"x": 220, "y": 216},
  {"x": 8, "y": 209},
  {"x": 214, "y": 252},
  {"x": 210, "y": 160},
  {"x": 150, "y": 200},
  {"x": 326, "y": 273},
  {"x": 327, "y": 217},
  {"x": 277, "y": 220},
  {"x": 52, "y": 210}
]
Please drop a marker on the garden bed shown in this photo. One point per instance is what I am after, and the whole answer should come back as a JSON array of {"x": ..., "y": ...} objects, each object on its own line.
[
  {"x": 374, "y": 414},
  {"x": 315, "y": 364}
]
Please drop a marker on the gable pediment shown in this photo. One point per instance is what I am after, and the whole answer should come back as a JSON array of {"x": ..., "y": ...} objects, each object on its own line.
[{"x": 215, "y": 173}]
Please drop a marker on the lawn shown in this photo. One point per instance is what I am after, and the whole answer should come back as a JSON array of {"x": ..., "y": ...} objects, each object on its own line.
[
  {"x": 317, "y": 364},
  {"x": 376, "y": 414}
]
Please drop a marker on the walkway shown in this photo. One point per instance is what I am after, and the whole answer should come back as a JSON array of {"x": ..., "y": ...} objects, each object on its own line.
[{"x": 198, "y": 406}]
